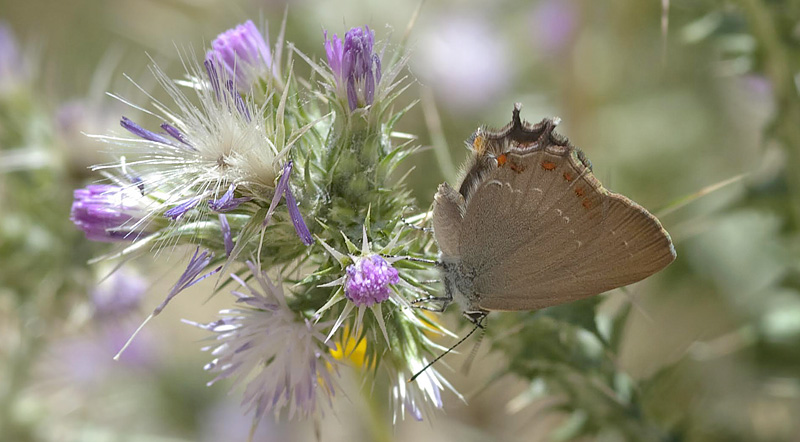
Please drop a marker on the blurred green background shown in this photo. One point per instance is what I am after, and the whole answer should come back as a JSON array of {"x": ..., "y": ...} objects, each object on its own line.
[{"x": 696, "y": 118}]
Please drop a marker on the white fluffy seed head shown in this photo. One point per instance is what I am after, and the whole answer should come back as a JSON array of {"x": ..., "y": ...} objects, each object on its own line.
[{"x": 229, "y": 139}]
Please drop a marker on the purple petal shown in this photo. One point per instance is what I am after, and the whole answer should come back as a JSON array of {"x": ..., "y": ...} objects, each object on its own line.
[
  {"x": 141, "y": 132},
  {"x": 283, "y": 183},
  {"x": 291, "y": 204},
  {"x": 175, "y": 133},
  {"x": 347, "y": 64},
  {"x": 181, "y": 209},
  {"x": 227, "y": 202},
  {"x": 333, "y": 50},
  {"x": 227, "y": 237},
  {"x": 238, "y": 101},
  {"x": 370, "y": 36},
  {"x": 297, "y": 219},
  {"x": 211, "y": 69},
  {"x": 352, "y": 95},
  {"x": 190, "y": 276},
  {"x": 415, "y": 412}
]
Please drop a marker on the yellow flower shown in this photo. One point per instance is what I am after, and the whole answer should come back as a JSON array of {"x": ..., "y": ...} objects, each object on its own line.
[{"x": 350, "y": 350}]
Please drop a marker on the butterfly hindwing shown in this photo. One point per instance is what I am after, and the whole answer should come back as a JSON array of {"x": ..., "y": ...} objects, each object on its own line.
[{"x": 541, "y": 230}]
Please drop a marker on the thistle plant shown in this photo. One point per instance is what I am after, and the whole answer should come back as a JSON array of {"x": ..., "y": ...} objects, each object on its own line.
[{"x": 285, "y": 188}]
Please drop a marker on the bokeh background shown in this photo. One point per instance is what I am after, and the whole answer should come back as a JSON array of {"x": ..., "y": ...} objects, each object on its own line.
[{"x": 689, "y": 107}]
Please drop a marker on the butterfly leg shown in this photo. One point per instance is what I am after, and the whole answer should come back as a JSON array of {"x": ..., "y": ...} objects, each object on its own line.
[
  {"x": 414, "y": 259},
  {"x": 476, "y": 317},
  {"x": 410, "y": 225}
]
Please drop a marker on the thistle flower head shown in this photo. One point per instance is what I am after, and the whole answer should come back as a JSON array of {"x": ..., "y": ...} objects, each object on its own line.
[
  {"x": 109, "y": 213},
  {"x": 285, "y": 354},
  {"x": 368, "y": 280},
  {"x": 220, "y": 148},
  {"x": 244, "y": 53},
  {"x": 356, "y": 69}
]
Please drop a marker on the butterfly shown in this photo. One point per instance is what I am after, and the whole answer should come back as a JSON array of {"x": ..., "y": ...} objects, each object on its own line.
[{"x": 531, "y": 227}]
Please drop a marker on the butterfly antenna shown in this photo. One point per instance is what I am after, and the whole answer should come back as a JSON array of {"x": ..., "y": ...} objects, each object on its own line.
[
  {"x": 468, "y": 363},
  {"x": 477, "y": 326}
]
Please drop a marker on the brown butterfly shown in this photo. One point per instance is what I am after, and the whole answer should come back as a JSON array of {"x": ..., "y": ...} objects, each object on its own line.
[{"x": 531, "y": 227}]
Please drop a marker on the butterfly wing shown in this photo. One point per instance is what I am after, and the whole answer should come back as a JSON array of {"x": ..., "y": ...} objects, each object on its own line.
[
  {"x": 448, "y": 212},
  {"x": 541, "y": 230}
]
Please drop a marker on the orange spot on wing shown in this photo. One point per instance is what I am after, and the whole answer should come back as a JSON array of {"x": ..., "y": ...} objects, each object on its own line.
[
  {"x": 568, "y": 176},
  {"x": 579, "y": 191},
  {"x": 548, "y": 165},
  {"x": 587, "y": 203},
  {"x": 502, "y": 159},
  {"x": 516, "y": 167}
]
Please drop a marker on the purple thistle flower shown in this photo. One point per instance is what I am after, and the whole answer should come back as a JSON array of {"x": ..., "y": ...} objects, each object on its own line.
[
  {"x": 369, "y": 279},
  {"x": 283, "y": 358},
  {"x": 190, "y": 276},
  {"x": 108, "y": 213},
  {"x": 243, "y": 52},
  {"x": 354, "y": 65},
  {"x": 227, "y": 202},
  {"x": 294, "y": 212}
]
